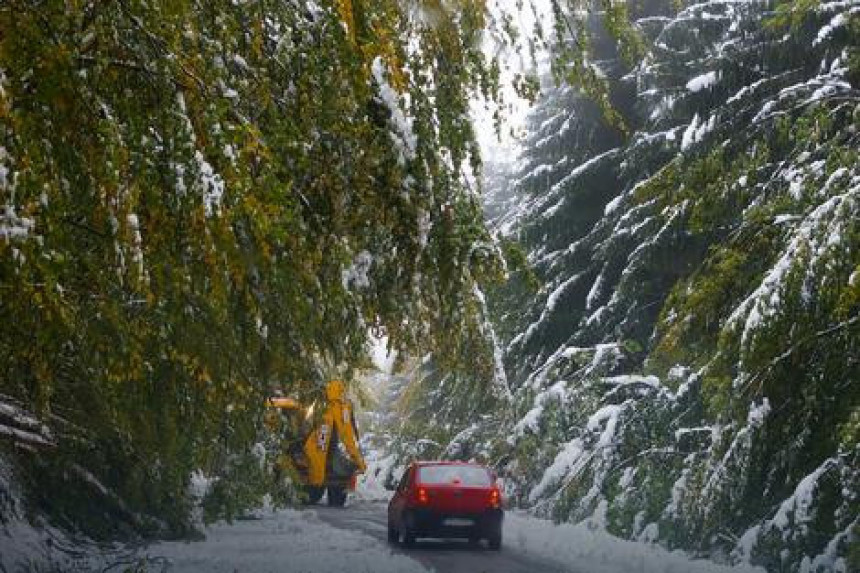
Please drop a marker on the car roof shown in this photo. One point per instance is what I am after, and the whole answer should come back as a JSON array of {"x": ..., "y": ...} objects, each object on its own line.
[{"x": 448, "y": 463}]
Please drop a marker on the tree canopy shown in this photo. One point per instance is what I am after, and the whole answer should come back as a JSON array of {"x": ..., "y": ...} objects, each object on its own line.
[{"x": 206, "y": 201}]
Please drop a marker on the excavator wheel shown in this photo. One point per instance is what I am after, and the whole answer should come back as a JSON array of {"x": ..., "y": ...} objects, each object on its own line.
[
  {"x": 314, "y": 494},
  {"x": 336, "y": 496}
]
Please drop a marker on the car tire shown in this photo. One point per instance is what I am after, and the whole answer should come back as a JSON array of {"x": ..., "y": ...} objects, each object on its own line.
[
  {"x": 313, "y": 494},
  {"x": 407, "y": 529},
  {"x": 393, "y": 534},
  {"x": 495, "y": 541},
  {"x": 336, "y": 496}
]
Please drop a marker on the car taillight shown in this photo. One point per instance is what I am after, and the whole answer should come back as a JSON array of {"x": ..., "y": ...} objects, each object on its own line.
[
  {"x": 421, "y": 496},
  {"x": 495, "y": 498}
]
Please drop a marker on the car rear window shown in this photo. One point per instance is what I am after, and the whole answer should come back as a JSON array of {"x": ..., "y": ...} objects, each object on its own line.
[{"x": 463, "y": 475}]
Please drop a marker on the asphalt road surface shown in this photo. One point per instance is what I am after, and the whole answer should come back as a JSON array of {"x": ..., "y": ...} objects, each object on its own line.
[{"x": 444, "y": 556}]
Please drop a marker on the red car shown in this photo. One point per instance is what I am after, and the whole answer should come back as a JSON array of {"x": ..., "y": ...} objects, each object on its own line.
[{"x": 447, "y": 500}]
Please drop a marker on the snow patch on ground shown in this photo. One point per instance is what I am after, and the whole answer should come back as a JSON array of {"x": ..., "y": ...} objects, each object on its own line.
[{"x": 282, "y": 541}]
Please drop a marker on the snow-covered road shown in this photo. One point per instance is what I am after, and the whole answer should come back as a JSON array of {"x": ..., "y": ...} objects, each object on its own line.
[
  {"x": 353, "y": 539},
  {"x": 453, "y": 556},
  {"x": 286, "y": 541},
  {"x": 331, "y": 540}
]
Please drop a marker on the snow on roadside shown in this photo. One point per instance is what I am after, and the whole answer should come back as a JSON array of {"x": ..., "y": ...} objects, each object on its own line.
[
  {"x": 596, "y": 551},
  {"x": 29, "y": 543},
  {"x": 285, "y": 541},
  {"x": 382, "y": 465},
  {"x": 371, "y": 484}
]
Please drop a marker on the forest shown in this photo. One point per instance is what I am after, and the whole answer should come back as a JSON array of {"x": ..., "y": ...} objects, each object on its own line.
[{"x": 645, "y": 317}]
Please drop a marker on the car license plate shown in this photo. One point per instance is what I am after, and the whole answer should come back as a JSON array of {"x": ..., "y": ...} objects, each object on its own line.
[{"x": 458, "y": 522}]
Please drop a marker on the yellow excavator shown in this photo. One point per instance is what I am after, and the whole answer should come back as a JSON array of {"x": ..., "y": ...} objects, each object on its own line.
[{"x": 325, "y": 457}]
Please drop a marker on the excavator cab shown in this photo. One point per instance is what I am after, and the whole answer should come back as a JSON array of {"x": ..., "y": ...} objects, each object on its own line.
[{"x": 326, "y": 456}]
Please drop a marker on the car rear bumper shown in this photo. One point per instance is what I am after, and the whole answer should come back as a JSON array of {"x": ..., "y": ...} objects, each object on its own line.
[{"x": 429, "y": 523}]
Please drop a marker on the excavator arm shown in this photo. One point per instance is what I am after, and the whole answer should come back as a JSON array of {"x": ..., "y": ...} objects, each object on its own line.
[
  {"x": 346, "y": 431},
  {"x": 316, "y": 450}
]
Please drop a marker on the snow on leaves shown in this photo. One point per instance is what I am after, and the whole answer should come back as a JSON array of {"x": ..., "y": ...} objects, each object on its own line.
[
  {"x": 202, "y": 202},
  {"x": 822, "y": 235},
  {"x": 13, "y": 227},
  {"x": 718, "y": 250}
]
